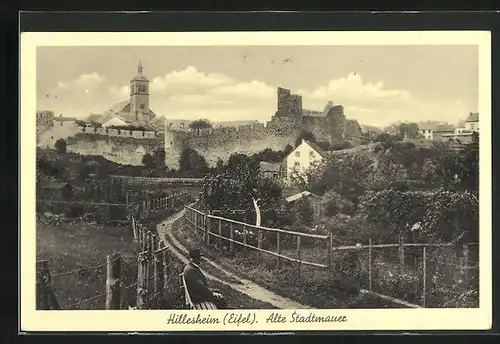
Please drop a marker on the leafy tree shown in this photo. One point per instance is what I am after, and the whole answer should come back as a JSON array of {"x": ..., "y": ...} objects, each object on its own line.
[
  {"x": 304, "y": 135},
  {"x": 333, "y": 204},
  {"x": 192, "y": 164},
  {"x": 409, "y": 130},
  {"x": 148, "y": 161},
  {"x": 386, "y": 174},
  {"x": 200, "y": 124},
  {"x": 303, "y": 212},
  {"x": 287, "y": 150},
  {"x": 61, "y": 146},
  {"x": 159, "y": 158},
  {"x": 234, "y": 185},
  {"x": 268, "y": 155}
]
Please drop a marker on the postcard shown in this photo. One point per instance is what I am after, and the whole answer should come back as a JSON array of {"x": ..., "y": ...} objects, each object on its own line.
[{"x": 255, "y": 181}]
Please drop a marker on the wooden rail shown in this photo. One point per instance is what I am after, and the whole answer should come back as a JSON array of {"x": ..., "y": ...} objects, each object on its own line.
[
  {"x": 84, "y": 203},
  {"x": 201, "y": 221},
  {"x": 361, "y": 247}
]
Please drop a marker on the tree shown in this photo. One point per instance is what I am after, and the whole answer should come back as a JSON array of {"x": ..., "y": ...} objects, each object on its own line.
[
  {"x": 192, "y": 164},
  {"x": 334, "y": 204},
  {"x": 234, "y": 185},
  {"x": 287, "y": 150},
  {"x": 61, "y": 146},
  {"x": 159, "y": 158},
  {"x": 304, "y": 135},
  {"x": 199, "y": 125},
  {"x": 268, "y": 155},
  {"x": 148, "y": 161}
]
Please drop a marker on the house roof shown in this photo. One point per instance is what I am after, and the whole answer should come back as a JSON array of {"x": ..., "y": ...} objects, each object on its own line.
[
  {"x": 94, "y": 118},
  {"x": 113, "y": 117},
  {"x": 317, "y": 148},
  {"x": 270, "y": 166},
  {"x": 119, "y": 107},
  {"x": 473, "y": 117},
  {"x": 299, "y": 195},
  {"x": 444, "y": 128}
]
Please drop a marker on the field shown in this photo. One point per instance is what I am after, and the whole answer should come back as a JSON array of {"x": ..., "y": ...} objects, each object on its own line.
[
  {"x": 73, "y": 246},
  {"x": 315, "y": 288}
]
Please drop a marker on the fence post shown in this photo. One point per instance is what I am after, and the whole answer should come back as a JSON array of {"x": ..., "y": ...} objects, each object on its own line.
[
  {"x": 113, "y": 287},
  {"x": 401, "y": 250},
  {"x": 424, "y": 268},
  {"x": 42, "y": 280},
  {"x": 331, "y": 250},
  {"x": 134, "y": 229},
  {"x": 149, "y": 254},
  {"x": 231, "y": 236},
  {"x": 259, "y": 237},
  {"x": 221, "y": 242},
  {"x": 195, "y": 221},
  {"x": 245, "y": 234},
  {"x": 328, "y": 251},
  {"x": 141, "y": 280},
  {"x": 158, "y": 271},
  {"x": 370, "y": 264},
  {"x": 464, "y": 263},
  {"x": 298, "y": 256},
  {"x": 166, "y": 269},
  {"x": 278, "y": 250},
  {"x": 207, "y": 227}
]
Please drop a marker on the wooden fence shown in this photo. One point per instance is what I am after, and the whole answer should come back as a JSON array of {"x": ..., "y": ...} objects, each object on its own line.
[
  {"x": 238, "y": 230},
  {"x": 416, "y": 272},
  {"x": 155, "y": 279},
  {"x": 410, "y": 274}
]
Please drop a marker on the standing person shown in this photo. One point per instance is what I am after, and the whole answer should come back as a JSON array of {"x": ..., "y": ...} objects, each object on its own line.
[{"x": 196, "y": 282}]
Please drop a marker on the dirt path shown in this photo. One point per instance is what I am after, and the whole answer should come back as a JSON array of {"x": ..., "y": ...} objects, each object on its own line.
[{"x": 246, "y": 287}]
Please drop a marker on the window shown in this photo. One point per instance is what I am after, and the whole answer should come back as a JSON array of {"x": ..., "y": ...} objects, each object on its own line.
[
  {"x": 296, "y": 164},
  {"x": 141, "y": 106},
  {"x": 311, "y": 154},
  {"x": 297, "y": 153}
]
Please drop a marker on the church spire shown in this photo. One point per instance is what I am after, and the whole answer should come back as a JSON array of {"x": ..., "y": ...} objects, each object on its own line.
[{"x": 139, "y": 68}]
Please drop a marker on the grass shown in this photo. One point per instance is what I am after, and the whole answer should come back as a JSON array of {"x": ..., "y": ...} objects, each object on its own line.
[
  {"x": 75, "y": 245},
  {"x": 314, "y": 287}
]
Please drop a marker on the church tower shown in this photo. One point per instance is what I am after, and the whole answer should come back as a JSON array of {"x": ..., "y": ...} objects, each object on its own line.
[{"x": 139, "y": 96}]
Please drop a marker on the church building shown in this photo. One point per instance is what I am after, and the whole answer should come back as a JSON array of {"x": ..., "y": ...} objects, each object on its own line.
[{"x": 135, "y": 111}]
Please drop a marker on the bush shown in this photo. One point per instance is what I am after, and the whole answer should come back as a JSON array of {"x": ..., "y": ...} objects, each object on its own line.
[{"x": 333, "y": 203}]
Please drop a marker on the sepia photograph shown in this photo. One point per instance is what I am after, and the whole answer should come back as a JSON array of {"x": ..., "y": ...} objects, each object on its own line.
[{"x": 210, "y": 180}]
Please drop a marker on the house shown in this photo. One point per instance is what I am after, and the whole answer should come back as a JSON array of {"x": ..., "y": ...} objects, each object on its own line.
[
  {"x": 272, "y": 169},
  {"x": 467, "y": 134},
  {"x": 64, "y": 121},
  {"x": 441, "y": 131},
  {"x": 472, "y": 122},
  {"x": 302, "y": 158}
]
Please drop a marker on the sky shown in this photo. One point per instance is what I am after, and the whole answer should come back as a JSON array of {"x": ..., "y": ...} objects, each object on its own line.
[{"x": 377, "y": 85}]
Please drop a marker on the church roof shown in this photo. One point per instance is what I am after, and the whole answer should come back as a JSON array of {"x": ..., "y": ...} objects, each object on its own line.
[
  {"x": 119, "y": 107},
  {"x": 473, "y": 117}
]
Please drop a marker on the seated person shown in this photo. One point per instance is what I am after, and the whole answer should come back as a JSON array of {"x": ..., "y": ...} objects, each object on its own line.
[{"x": 196, "y": 282}]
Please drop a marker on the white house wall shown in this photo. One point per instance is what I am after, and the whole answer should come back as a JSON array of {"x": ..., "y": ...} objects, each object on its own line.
[{"x": 300, "y": 160}]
